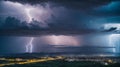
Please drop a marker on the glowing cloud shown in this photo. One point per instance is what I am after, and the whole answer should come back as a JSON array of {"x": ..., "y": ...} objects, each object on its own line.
[
  {"x": 26, "y": 12},
  {"x": 29, "y": 11},
  {"x": 114, "y": 25},
  {"x": 63, "y": 40}
]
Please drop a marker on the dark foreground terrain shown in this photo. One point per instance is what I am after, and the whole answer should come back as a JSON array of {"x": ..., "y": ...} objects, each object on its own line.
[{"x": 60, "y": 63}]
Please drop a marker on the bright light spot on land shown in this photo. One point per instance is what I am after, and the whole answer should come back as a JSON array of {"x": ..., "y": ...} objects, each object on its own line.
[{"x": 106, "y": 63}]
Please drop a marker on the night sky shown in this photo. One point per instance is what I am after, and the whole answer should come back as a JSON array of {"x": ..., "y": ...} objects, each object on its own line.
[{"x": 91, "y": 24}]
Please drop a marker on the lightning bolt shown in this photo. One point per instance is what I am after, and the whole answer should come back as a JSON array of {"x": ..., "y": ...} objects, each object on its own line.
[
  {"x": 28, "y": 14},
  {"x": 111, "y": 42},
  {"x": 29, "y": 46},
  {"x": 114, "y": 40}
]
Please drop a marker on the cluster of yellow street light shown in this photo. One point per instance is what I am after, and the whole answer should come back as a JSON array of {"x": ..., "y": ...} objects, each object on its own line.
[{"x": 28, "y": 61}]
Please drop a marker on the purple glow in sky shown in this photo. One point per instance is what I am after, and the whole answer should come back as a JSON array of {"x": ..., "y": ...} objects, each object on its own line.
[
  {"x": 28, "y": 13},
  {"x": 63, "y": 40}
]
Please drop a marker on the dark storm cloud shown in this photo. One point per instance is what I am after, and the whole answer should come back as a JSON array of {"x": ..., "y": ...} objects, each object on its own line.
[
  {"x": 70, "y": 20},
  {"x": 14, "y": 23},
  {"x": 110, "y": 9},
  {"x": 74, "y": 4},
  {"x": 40, "y": 32},
  {"x": 15, "y": 27},
  {"x": 74, "y": 17},
  {"x": 69, "y": 17}
]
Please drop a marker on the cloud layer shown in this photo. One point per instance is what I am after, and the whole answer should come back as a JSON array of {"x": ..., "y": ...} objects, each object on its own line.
[{"x": 52, "y": 15}]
